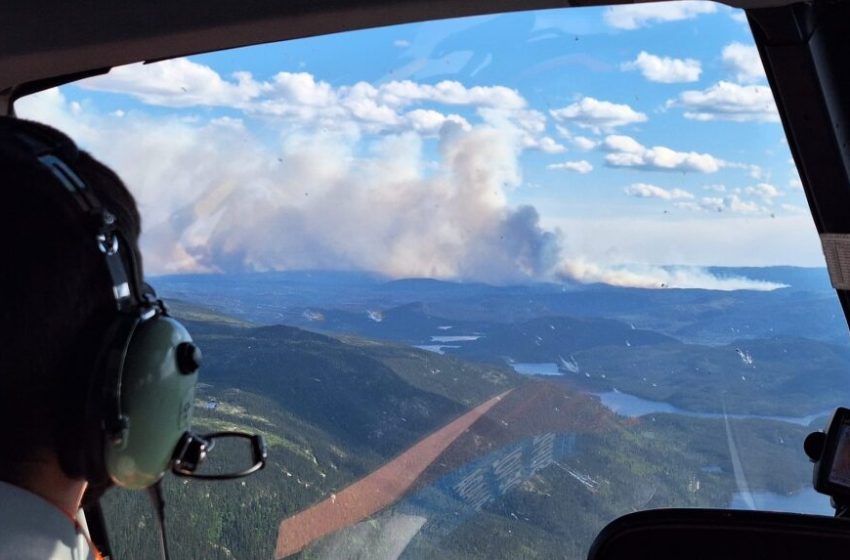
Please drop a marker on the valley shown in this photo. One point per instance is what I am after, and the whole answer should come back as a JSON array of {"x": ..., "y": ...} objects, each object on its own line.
[{"x": 346, "y": 393}]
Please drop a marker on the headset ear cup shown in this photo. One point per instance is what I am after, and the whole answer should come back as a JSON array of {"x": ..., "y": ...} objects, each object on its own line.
[
  {"x": 106, "y": 421},
  {"x": 157, "y": 397}
]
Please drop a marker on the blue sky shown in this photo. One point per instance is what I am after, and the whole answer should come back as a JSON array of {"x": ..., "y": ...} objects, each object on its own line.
[{"x": 591, "y": 143}]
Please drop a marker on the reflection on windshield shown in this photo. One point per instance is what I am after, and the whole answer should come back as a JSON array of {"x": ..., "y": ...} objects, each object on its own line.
[
  {"x": 380, "y": 489},
  {"x": 483, "y": 285}
]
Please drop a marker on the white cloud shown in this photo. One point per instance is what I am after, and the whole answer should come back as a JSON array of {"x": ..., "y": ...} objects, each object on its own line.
[
  {"x": 794, "y": 182},
  {"x": 625, "y": 151},
  {"x": 794, "y": 209},
  {"x": 598, "y": 116},
  {"x": 633, "y": 16},
  {"x": 665, "y": 70},
  {"x": 622, "y": 143},
  {"x": 728, "y": 101},
  {"x": 563, "y": 131},
  {"x": 734, "y": 204},
  {"x": 303, "y": 102},
  {"x": 739, "y": 15},
  {"x": 547, "y": 145},
  {"x": 584, "y": 143},
  {"x": 177, "y": 82},
  {"x": 765, "y": 191},
  {"x": 715, "y": 188},
  {"x": 530, "y": 125},
  {"x": 645, "y": 190},
  {"x": 731, "y": 203},
  {"x": 581, "y": 166},
  {"x": 430, "y": 123},
  {"x": 182, "y": 83},
  {"x": 401, "y": 43},
  {"x": 401, "y": 93},
  {"x": 744, "y": 61},
  {"x": 579, "y": 142},
  {"x": 754, "y": 171}
]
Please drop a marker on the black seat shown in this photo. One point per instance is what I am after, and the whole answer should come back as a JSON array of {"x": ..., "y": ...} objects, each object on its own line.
[{"x": 722, "y": 534}]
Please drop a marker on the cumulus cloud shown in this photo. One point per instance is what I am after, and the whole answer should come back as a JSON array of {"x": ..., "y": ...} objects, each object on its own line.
[
  {"x": 731, "y": 203},
  {"x": 634, "y": 16},
  {"x": 728, "y": 101},
  {"x": 545, "y": 144},
  {"x": 734, "y": 204},
  {"x": 584, "y": 143},
  {"x": 430, "y": 122},
  {"x": 625, "y": 151},
  {"x": 579, "y": 142},
  {"x": 794, "y": 209},
  {"x": 738, "y": 15},
  {"x": 645, "y": 190},
  {"x": 580, "y": 166},
  {"x": 648, "y": 276},
  {"x": 530, "y": 124},
  {"x": 744, "y": 61},
  {"x": 665, "y": 70},
  {"x": 178, "y": 82},
  {"x": 765, "y": 191},
  {"x": 794, "y": 182},
  {"x": 598, "y": 116},
  {"x": 302, "y": 100}
]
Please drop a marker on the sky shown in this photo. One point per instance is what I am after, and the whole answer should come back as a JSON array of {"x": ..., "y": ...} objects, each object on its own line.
[{"x": 633, "y": 145}]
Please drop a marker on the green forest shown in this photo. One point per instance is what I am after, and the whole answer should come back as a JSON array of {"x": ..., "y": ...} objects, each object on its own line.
[{"x": 334, "y": 409}]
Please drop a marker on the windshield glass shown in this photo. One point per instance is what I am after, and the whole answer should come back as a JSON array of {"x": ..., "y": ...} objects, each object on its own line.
[{"x": 482, "y": 284}]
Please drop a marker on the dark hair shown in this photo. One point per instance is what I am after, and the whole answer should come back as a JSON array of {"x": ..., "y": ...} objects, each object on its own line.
[{"x": 57, "y": 297}]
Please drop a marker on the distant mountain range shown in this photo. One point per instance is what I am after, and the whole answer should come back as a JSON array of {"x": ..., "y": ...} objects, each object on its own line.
[{"x": 411, "y": 310}]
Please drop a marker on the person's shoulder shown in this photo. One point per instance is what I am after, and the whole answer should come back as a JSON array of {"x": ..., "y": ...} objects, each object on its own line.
[{"x": 31, "y": 528}]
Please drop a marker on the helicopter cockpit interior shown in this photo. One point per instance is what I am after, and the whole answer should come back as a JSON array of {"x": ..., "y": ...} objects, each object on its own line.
[{"x": 414, "y": 338}]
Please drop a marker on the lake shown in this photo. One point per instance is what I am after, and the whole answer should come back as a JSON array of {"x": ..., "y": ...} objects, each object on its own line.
[
  {"x": 625, "y": 404},
  {"x": 536, "y": 368}
]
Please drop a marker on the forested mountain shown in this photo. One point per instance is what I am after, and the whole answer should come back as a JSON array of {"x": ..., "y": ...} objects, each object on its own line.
[{"x": 535, "y": 477}]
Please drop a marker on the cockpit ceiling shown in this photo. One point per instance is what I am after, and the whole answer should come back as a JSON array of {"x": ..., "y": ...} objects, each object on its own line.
[{"x": 44, "y": 39}]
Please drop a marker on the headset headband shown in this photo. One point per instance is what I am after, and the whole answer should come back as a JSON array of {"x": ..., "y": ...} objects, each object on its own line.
[{"x": 125, "y": 289}]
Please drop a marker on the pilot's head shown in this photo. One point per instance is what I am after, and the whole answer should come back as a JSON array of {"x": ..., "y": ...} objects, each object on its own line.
[
  {"x": 95, "y": 378},
  {"x": 57, "y": 295}
]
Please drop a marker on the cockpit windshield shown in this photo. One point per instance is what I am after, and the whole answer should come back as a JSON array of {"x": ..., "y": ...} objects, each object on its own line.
[{"x": 483, "y": 284}]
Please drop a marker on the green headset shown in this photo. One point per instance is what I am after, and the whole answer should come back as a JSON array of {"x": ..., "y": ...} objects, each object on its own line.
[{"x": 140, "y": 396}]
